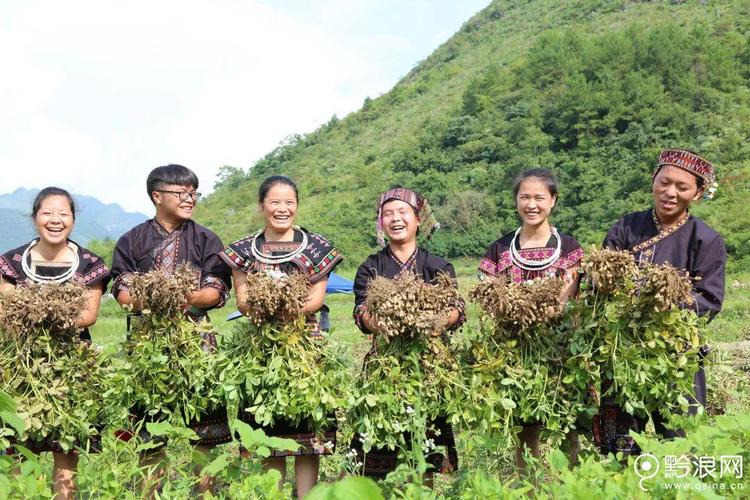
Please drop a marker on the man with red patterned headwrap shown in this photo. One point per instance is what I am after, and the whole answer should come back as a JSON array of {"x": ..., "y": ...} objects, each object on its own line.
[{"x": 667, "y": 233}]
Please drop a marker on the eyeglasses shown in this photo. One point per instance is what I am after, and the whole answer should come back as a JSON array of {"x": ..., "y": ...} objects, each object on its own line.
[{"x": 183, "y": 195}]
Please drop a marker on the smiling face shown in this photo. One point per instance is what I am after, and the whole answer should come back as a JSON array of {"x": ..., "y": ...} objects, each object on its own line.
[
  {"x": 674, "y": 190},
  {"x": 400, "y": 221},
  {"x": 172, "y": 206},
  {"x": 534, "y": 201},
  {"x": 54, "y": 220},
  {"x": 279, "y": 208}
]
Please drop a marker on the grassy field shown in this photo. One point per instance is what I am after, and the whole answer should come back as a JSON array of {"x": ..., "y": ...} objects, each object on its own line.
[
  {"x": 732, "y": 325},
  {"x": 109, "y": 330}
]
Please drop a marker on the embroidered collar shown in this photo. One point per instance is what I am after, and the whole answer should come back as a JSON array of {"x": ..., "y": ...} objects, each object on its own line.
[
  {"x": 409, "y": 265},
  {"x": 663, "y": 232},
  {"x": 162, "y": 230}
]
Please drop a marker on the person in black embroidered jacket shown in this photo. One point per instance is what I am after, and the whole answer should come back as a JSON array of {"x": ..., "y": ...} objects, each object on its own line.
[
  {"x": 402, "y": 213},
  {"x": 171, "y": 238},
  {"x": 668, "y": 233},
  {"x": 53, "y": 258},
  {"x": 282, "y": 247},
  {"x": 536, "y": 250}
]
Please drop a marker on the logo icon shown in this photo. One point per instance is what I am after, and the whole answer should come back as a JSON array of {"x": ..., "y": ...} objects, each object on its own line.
[{"x": 646, "y": 467}]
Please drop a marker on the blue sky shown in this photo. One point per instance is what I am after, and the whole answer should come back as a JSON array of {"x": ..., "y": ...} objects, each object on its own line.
[{"x": 96, "y": 93}]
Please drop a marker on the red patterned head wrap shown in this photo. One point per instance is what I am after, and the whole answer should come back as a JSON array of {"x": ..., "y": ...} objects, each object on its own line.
[{"x": 691, "y": 162}]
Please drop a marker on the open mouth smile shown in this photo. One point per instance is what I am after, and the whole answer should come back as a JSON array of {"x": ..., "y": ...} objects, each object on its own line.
[{"x": 668, "y": 204}]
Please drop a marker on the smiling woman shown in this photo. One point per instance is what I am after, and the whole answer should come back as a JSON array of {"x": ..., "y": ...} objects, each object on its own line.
[
  {"x": 53, "y": 258},
  {"x": 281, "y": 249},
  {"x": 402, "y": 214},
  {"x": 535, "y": 250}
]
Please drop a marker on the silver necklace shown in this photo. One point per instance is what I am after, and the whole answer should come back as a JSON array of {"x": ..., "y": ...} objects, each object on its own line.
[
  {"x": 534, "y": 265},
  {"x": 277, "y": 259},
  {"x": 48, "y": 279}
]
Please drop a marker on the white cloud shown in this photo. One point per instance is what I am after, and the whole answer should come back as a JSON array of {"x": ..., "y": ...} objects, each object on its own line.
[{"x": 96, "y": 93}]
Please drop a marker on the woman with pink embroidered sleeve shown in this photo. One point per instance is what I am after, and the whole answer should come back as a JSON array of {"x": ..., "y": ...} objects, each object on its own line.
[
  {"x": 534, "y": 250},
  {"x": 48, "y": 259},
  {"x": 283, "y": 248}
]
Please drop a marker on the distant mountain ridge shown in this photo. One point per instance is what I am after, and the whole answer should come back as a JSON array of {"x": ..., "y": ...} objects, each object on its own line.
[{"x": 95, "y": 220}]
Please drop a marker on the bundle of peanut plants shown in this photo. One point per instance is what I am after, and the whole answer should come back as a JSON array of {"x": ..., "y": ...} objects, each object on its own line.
[
  {"x": 517, "y": 359},
  {"x": 275, "y": 368},
  {"x": 169, "y": 371},
  {"x": 55, "y": 378},
  {"x": 635, "y": 333},
  {"x": 412, "y": 375}
]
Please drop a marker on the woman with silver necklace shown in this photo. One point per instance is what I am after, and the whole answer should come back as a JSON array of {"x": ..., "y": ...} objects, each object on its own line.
[
  {"x": 53, "y": 258},
  {"x": 535, "y": 250},
  {"x": 281, "y": 248}
]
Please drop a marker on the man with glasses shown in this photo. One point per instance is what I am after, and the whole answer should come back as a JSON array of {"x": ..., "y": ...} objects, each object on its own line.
[
  {"x": 166, "y": 241},
  {"x": 170, "y": 238}
]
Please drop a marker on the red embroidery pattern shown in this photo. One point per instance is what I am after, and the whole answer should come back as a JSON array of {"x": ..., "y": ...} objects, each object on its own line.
[
  {"x": 280, "y": 246},
  {"x": 165, "y": 255},
  {"x": 487, "y": 266},
  {"x": 505, "y": 264},
  {"x": 94, "y": 274},
  {"x": 321, "y": 268},
  {"x": 6, "y": 269},
  {"x": 688, "y": 161},
  {"x": 233, "y": 259}
]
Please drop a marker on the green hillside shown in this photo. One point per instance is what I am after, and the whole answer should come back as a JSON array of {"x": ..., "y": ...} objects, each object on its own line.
[{"x": 592, "y": 89}]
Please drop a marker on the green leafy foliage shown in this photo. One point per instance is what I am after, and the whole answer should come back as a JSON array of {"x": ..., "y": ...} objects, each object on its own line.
[
  {"x": 592, "y": 90},
  {"x": 9, "y": 416},
  {"x": 351, "y": 488},
  {"x": 517, "y": 360},
  {"x": 248, "y": 480},
  {"x": 257, "y": 441},
  {"x": 55, "y": 378},
  {"x": 406, "y": 383},
  {"x": 168, "y": 372},
  {"x": 29, "y": 480},
  {"x": 278, "y": 370},
  {"x": 596, "y": 478},
  {"x": 57, "y": 385}
]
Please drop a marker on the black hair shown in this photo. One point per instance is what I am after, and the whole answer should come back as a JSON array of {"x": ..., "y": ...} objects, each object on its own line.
[
  {"x": 546, "y": 176},
  {"x": 270, "y": 182},
  {"x": 52, "y": 191},
  {"x": 176, "y": 175}
]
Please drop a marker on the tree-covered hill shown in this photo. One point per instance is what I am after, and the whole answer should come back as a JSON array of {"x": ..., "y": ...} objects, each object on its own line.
[{"x": 591, "y": 89}]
